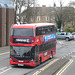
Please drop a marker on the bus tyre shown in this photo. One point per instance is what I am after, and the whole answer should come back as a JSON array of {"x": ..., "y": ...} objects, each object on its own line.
[
  {"x": 51, "y": 55},
  {"x": 40, "y": 61}
]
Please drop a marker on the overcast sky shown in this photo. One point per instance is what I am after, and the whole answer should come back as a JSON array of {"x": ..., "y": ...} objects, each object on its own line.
[
  {"x": 5, "y": 1},
  {"x": 51, "y": 2}
]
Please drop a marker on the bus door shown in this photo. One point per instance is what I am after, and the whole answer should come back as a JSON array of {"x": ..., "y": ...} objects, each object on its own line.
[{"x": 36, "y": 55}]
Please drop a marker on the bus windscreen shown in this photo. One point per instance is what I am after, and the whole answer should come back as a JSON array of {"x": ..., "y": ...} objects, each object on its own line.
[
  {"x": 22, "y": 52},
  {"x": 22, "y": 32}
]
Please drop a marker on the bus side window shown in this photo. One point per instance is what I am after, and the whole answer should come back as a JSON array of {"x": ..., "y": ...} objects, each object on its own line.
[
  {"x": 46, "y": 30},
  {"x": 43, "y": 31},
  {"x": 37, "y": 32},
  {"x": 40, "y": 31},
  {"x": 55, "y": 29},
  {"x": 52, "y": 28}
]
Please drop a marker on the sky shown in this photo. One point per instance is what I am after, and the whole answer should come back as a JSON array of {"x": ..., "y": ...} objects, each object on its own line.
[
  {"x": 51, "y": 2},
  {"x": 42, "y": 2},
  {"x": 5, "y": 1}
]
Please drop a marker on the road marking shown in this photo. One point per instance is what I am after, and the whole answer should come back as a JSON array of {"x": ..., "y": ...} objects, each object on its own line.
[
  {"x": 4, "y": 53},
  {"x": 42, "y": 69},
  {"x": 68, "y": 54},
  {"x": 65, "y": 67},
  {"x": 4, "y": 69}
]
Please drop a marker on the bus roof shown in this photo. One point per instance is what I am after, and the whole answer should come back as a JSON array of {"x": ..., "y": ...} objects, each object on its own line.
[{"x": 33, "y": 25}]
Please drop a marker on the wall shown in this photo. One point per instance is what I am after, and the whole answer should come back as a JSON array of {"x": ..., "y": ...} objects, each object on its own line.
[
  {"x": 2, "y": 27},
  {"x": 6, "y": 20},
  {"x": 9, "y": 22}
]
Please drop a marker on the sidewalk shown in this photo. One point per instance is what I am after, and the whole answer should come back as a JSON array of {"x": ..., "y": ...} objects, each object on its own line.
[{"x": 4, "y": 49}]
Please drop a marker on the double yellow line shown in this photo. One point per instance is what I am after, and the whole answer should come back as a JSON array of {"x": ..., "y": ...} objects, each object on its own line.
[
  {"x": 65, "y": 67},
  {"x": 60, "y": 72},
  {"x": 42, "y": 69}
]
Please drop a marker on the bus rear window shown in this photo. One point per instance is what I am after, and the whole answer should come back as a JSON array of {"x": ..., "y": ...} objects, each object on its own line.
[{"x": 22, "y": 32}]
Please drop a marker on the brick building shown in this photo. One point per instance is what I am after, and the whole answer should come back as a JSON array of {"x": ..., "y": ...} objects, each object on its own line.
[
  {"x": 37, "y": 15},
  {"x": 6, "y": 20}
]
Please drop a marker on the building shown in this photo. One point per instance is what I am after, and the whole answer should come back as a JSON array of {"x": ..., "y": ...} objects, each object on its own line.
[
  {"x": 37, "y": 15},
  {"x": 6, "y": 20}
]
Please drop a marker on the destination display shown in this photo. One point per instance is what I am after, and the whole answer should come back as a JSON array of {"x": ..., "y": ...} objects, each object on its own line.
[{"x": 20, "y": 40}]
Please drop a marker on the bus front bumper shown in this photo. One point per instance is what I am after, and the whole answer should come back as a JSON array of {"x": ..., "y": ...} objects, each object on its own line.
[{"x": 32, "y": 64}]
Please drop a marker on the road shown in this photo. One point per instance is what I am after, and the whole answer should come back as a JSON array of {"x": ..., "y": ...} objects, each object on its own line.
[
  {"x": 65, "y": 49},
  {"x": 69, "y": 53}
]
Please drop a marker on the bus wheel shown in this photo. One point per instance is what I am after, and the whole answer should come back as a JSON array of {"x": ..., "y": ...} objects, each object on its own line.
[
  {"x": 40, "y": 61},
  {"x": 51, "y": 55}
]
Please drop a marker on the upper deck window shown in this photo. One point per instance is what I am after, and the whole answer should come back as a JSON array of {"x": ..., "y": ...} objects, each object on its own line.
[
  {"x": 22, "y": 32},
  {"x": 45, "y": 30}
]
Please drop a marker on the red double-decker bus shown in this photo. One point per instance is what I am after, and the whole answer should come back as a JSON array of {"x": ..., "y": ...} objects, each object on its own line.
[{"x": 32, "y": 44}]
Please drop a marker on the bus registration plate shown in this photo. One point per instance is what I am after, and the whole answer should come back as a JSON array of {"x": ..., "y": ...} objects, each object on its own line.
[{"x": 20, "y": 65}]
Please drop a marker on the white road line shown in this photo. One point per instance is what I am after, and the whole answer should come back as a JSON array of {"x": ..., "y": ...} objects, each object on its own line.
[
  {"x": 4, "y": 69},
  {"x": 5, "y": 53},
  {"x": 68, "y": 54}
]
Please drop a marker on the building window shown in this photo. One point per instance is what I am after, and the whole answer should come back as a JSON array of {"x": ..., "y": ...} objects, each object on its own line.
[
  {"x": 32, "y": 18},
  {"x": 38, "y": 18},
  {"x": 47, "y": 18}
]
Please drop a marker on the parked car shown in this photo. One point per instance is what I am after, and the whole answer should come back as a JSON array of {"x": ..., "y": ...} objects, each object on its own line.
[
  {"x": 65, "y": 35},
  {"x": 73, "y": 35}
]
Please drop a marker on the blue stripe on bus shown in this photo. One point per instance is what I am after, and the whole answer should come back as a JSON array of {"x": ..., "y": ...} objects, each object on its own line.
[{"x": 49, "y": 37}]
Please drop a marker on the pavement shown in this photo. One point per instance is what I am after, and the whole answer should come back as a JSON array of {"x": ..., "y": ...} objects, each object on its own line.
[{"x": 4, "y": 49}]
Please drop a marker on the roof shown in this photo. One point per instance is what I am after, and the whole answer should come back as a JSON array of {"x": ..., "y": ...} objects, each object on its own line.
[
  {"x": 38, "y": 11},
  {"x": 33, "y": 25},
  {"x": 42, "y": 11}
]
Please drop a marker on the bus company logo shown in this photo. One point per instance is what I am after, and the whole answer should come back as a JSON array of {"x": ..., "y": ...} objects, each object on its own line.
[{"x": 49, "y": 37}]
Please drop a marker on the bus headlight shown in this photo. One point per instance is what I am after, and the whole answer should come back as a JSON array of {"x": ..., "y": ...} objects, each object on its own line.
[{"x": 11, "y": 59}]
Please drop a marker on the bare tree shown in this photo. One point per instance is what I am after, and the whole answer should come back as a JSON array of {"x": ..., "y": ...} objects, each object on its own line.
[
  {"x": 68, "y": 16},
  {"x": 58, "y": 14},
  {"x": 72, "y": 4},
  {"x": 21, "y": 5},
  {"x": 63, "y": 15}
]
